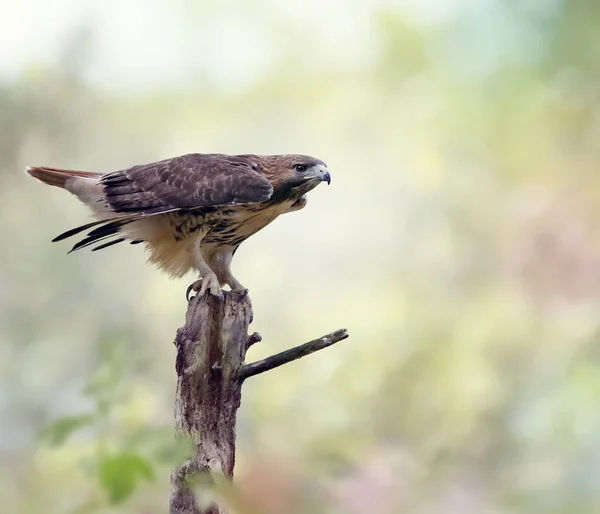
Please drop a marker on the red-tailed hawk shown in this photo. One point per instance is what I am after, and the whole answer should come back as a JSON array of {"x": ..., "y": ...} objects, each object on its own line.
[{"x": 192, "y": 211}]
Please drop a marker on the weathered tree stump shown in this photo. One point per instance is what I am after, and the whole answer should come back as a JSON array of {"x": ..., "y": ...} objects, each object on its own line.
[{"x": 211, "y": 350}]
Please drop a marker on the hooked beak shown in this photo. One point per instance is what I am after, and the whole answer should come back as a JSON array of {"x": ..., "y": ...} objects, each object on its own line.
[
  {"x": 322, "y": 173},
  {"x": 318, "y": 172}
]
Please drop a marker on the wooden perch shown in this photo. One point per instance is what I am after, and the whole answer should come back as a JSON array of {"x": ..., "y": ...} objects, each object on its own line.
[
  {"x": 274, "y": 361},
  {"x": 211, "y": 349}
]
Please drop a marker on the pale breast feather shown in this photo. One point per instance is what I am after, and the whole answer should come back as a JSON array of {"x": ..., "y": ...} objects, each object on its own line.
[{"x": 237, "y": 224}]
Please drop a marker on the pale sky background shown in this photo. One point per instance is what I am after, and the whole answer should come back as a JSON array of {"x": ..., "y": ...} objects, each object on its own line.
[{"x": 233, "y": 47}]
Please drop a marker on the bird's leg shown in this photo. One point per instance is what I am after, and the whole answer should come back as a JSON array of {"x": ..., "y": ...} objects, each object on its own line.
[
  {"x": 235, "y": 286},
  {"x": 208, "y": 281},
  {"x": 221, "y": 263}
]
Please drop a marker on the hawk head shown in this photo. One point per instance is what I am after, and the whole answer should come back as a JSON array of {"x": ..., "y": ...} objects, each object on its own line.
[{"x": 294, "y": 173}]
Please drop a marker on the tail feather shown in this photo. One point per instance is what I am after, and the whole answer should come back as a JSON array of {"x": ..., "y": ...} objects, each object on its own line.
[
  {"x": 107, "y": 229},
  {"x": 106, "y": 245},
  {"x": 57, "y": 177},
  {"x": 88, "y": 188},
  {"x": 77, "y": 230}
]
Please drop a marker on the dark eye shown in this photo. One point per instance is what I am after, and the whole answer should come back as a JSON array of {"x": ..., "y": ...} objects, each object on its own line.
[{"x": 300, "y": 168}]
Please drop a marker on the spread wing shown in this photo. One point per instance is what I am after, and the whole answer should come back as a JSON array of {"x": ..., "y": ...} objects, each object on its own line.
[{"x": 188, "y": 182}]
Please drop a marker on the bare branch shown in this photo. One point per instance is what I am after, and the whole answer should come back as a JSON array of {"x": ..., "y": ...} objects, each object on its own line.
[{"x": 274, "y": 361}]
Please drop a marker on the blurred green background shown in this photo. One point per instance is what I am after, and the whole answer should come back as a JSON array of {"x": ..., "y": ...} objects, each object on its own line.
[{"x": 459, "y": 243}]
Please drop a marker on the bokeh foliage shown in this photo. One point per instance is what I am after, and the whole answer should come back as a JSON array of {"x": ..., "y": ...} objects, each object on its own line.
[{"x": 458, "y": 243}]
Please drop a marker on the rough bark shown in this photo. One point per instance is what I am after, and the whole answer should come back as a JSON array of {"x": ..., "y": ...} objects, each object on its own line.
[{"x": 211, "y": 348}]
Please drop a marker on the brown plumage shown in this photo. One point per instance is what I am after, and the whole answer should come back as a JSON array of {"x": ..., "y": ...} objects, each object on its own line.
[{"x": 191, "y": 211}]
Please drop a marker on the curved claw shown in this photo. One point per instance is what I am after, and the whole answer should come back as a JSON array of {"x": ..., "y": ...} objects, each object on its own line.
[
  {"x": 194, "y": 286},
  {"x": 188, "y": 291}
]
